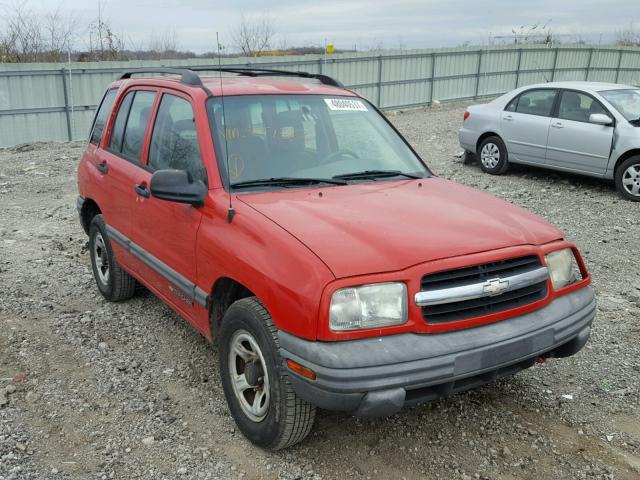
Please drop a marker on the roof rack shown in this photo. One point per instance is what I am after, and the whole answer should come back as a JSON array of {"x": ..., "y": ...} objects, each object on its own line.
[{"x": 189, "y": 76}]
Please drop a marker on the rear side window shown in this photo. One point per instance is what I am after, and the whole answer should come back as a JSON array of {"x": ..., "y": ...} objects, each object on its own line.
[
  {"x": 578, "y": 106},
  {"x": 535, "y": 102},
  {"x": 115, "y": 144},
  {"x": 102, "y": 116},
  {"x": 174, "y": 142}
]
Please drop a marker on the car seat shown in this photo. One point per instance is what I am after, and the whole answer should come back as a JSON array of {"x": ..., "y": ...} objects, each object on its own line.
[
  {"x": 288, "y": 143},
  {"x": 248, "y": 159}
]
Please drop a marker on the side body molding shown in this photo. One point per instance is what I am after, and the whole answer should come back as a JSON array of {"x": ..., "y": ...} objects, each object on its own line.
[{"x": 190, "y": 289}]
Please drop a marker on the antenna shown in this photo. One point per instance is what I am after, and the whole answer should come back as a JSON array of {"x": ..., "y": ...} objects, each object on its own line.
[{"x": 231, "y": 212}]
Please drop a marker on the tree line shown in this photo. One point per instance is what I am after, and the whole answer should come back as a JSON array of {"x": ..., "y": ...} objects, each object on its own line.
[{"x": 56, "y": 36}]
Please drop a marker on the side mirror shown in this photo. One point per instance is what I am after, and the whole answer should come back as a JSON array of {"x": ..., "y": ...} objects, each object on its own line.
[
  {"x": 600, "y": 119},
  {"x": 176, "y": 186}
]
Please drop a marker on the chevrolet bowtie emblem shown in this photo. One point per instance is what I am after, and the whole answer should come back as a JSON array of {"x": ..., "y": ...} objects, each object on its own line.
[{"x": 495, "y": 286}]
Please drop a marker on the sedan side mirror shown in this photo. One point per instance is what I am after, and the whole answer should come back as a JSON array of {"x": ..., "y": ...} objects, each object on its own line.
[
  {"x": 600, "y": 119},
  {"x": 177, "y": 186}
]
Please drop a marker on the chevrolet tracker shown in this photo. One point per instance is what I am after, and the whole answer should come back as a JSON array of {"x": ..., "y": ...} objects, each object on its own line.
[{"x": 284, "y": 216}]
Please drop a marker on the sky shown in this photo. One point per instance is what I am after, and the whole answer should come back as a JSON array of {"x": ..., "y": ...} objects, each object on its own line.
[{"x": 397, "y": 24}]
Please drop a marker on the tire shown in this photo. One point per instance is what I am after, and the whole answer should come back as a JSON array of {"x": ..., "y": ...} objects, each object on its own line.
[
  {"x": 282, "y": 418},
  {"x": 493, "y": 156},
  {"x": 113, "y": 282},
  {"x": 627, "y": 179}
]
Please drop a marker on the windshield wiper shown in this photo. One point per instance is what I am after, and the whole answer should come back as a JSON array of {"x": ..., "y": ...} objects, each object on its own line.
[
  {"x": 635, "y": 121},
  {"x": 376, "y": 174},
  {"x": 284, "y": 181}
]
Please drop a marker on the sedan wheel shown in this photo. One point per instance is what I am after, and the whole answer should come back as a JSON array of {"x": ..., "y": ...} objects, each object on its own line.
[
  {"x": 490, "y": 155},
  {"x": 627, "y": 178},
  {"x": 493, "y": 156},
  {"x": 631, "y": 180}
]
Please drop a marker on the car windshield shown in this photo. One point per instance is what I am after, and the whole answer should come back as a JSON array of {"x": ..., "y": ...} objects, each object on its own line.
[
  {"x": 275, "y": 140},
  {"x": 626, "y": 101}
]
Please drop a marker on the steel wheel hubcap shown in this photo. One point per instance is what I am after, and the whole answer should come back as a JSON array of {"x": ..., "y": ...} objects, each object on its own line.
[
  {"x": 631, "y": 180},
  {"x": 100, "y": 259},
  {"x": 249, "y": 376},
  {"x": 490, "y": 155}
]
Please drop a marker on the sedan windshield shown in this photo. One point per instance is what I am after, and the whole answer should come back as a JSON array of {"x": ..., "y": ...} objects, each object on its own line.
[
  {"x": 626, "y": 101},
  {"x": 274, "y": 140}
]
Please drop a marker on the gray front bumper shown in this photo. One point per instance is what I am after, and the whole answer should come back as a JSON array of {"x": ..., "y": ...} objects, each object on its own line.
[{"x": 377, "y": 376}]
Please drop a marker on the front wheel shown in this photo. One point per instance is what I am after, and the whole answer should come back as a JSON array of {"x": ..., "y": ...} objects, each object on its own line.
[
  {"x": 627, "y": 178},
  {"x": 261, "y": 399},
  {"x": 493, "y": 156}
]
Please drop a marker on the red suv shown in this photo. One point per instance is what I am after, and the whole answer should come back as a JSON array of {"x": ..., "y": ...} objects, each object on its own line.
[{"x": 283, "y": 215}]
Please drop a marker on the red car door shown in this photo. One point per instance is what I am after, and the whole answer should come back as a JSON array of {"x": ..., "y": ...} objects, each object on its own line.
[
  {"x": 165, "y": 233},
  {"x": 120, "y": 158}
]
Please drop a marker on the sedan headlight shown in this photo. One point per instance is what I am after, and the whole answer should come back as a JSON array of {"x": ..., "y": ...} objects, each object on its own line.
[
  {"x": 562, "y": 268},
  {"x": 368, "y": 306}
]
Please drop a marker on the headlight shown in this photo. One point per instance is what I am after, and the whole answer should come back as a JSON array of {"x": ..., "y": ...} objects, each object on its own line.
[
  {"x": 368, "y": 306},
  {"x": 561, "y": 268}
]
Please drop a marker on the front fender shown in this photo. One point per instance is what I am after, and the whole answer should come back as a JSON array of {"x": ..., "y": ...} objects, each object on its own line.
[{"x": 253, "y": 250}]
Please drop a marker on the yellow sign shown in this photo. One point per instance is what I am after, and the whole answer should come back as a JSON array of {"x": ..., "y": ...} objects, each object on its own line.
[{"x": 330, "y": 48}]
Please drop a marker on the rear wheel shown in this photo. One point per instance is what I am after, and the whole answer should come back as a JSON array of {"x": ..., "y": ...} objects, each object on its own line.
[
  {"x": 113, "y": 282},
  {"x": 627, "y": 178},
  {"x": 261, "y": 399},
  {"x": 493, "y": 156}
]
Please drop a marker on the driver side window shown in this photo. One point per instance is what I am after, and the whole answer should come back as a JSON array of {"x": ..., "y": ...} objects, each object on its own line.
[{"x": 174, "y": 142}]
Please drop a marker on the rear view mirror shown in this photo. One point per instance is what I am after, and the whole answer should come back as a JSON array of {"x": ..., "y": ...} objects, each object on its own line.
[
  {"x": 176, "y": 186},
  {"x": 600, "y": 119}
]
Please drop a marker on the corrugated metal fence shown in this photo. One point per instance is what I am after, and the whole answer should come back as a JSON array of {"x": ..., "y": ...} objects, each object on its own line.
[{"x": 41, "y": 102}]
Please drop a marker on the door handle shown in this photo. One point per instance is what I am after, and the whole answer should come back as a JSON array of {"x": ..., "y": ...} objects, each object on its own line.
[
  {"x": 102, "y": 167},
  {"x": 143, "y": 191},
  {"x": 557, "y": 125},
  {"x": 508, "y": 117}
]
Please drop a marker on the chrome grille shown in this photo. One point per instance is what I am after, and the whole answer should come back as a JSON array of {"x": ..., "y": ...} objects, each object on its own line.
[{"x": 482, "y": 289}]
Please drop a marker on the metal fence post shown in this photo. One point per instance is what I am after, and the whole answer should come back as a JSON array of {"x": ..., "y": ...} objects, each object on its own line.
[
  {"x": 432, "y": 78},
  {"x": 66, "y": 104},
  {"x": 555, "y": 60},
  {"x": 620, "y": 53},
  {"x": 589, "y": 63},
  {"x": 478, "y": 73},
  {"x": 379, "y": 81},
  {"x": 320, "y": 65},
  {"x": 518, "y": 67}
]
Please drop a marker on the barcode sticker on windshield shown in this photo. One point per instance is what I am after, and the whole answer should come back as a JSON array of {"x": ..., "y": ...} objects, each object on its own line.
[{"x": 345, "y": 104}]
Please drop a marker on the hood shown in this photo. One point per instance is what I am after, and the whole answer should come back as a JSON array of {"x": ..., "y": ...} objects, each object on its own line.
[{"x": 391, "y": 225}]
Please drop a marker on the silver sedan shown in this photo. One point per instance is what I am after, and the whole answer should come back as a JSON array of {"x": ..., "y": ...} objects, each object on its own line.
[{"x": 583, "y": 127}]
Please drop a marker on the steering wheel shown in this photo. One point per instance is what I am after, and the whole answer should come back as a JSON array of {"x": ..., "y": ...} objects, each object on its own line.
[{"x": 340, "y": 153}]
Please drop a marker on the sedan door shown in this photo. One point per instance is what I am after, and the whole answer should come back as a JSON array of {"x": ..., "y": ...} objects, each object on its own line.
[
  {"x": 574, "y": 143},
  {"x": 525, "y": 125}
]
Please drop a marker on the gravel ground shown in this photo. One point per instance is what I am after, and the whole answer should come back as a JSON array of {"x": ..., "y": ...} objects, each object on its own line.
[{"x": 90, "y": 389}]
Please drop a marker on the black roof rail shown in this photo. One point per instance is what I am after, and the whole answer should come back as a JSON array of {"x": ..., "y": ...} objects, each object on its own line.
[
  {"x": 189, "y": 76},
  {"x": 264, "y": 72}
]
